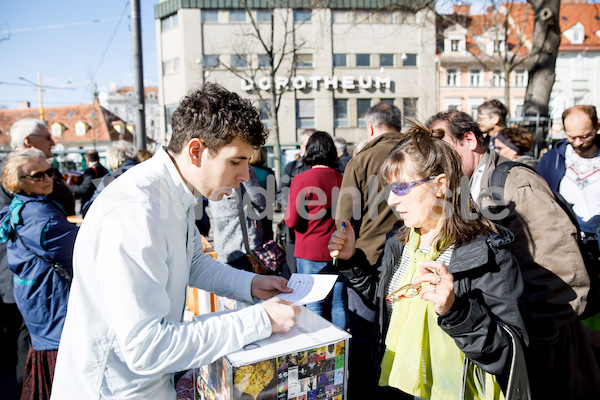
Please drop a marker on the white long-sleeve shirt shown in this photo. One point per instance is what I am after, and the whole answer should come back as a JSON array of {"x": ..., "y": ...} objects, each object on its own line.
[{"x": 135, "y": 254}]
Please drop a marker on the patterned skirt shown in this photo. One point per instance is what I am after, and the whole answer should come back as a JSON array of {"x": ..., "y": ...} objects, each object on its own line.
[{"x": 39, "y": 372}]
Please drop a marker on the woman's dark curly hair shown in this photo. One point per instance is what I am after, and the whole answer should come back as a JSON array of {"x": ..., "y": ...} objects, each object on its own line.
[{"x": 216, "y": 116}]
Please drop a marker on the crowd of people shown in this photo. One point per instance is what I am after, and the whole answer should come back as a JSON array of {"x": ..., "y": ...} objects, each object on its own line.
[{"x": 449, "y": 284}]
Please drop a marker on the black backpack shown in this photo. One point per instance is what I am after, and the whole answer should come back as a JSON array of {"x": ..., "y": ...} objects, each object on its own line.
[{"x": 589, "y": 249}]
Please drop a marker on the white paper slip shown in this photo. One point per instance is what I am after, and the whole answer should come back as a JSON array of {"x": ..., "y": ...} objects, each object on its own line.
[{"x": 308, "y": 288}]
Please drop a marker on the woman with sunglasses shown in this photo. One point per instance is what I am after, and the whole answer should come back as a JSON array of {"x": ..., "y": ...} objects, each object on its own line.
[
  {"x": 40, "y": 250},
  {"x": 444, "y": 285}
]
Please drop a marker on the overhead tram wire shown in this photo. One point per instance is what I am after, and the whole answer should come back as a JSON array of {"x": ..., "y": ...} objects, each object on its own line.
[
  {"x": 38, "y": 28},
  {"x": 106, "y": 49}
]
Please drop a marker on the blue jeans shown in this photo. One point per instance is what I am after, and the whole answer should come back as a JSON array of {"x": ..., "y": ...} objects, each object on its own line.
[{"x": 334, "y": 307}]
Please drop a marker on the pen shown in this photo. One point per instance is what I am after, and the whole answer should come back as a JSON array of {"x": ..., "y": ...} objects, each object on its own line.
[{"x": 343, "y": 231}]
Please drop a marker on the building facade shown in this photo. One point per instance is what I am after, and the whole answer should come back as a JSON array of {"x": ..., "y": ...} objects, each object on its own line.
[
  {"x": 470, "y": 49},
  {"x": 121, "y": 103},
  {"x": 473, "y": 52},
  {"x": 340, "y": 59},
  {"x": 578, "y": 63},
  {"x": 75, "y": 129}
]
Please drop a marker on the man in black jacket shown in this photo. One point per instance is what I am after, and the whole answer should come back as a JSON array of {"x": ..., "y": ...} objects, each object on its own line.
[{"x": 85, "y": 188}]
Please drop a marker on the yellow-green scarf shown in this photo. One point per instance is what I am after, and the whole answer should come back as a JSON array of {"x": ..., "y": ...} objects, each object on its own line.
[{"x": 420, "y": 358}]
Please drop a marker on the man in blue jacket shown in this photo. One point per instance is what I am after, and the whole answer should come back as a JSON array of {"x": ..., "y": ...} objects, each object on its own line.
[{"x": 572, "y": 167}]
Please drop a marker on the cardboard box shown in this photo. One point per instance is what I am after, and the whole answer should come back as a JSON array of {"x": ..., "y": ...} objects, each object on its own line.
[{"x": 307, "y": 363}]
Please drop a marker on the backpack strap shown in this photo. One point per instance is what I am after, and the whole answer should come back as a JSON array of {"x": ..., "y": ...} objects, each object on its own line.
[{"x": 498, "y": 178}]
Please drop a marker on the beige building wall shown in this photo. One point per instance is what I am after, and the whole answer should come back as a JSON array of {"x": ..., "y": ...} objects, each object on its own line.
[{"x": 352, "y": 33}]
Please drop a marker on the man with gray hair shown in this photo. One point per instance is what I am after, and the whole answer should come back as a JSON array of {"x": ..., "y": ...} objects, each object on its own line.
[
  {"x": 342, "y": 152},
  {"x": 32, "y": 133},
  {"x": 363, "y": 202}
]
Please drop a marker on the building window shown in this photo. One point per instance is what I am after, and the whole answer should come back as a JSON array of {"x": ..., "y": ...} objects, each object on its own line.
[
  {"x": 57, "y": 130},
  {"x": 210, "y": 15},
  {"x": 410, "y": 107},
  {"x": 303, "y": 61},
  {"x": 171, "y": 66},
  {"x": 520, "y": 78},
  {"x": 452, "y": 104},
  {"x": 263, "y": 61},
  {"x": 305, "y": 113},
  {"x": 498, "y": 46},
  {"x": 339, "y": 60},
  {"x": 81, "y": 128},
  {"x": 265, "y": 109},
  {"x": 210, "y": 61},
  {"x": 339, "y": 16},
  {"x": 363, "y": 60},
  {"x": 237, "y": 15},
  {"x": 239, "y": 61},
  {"x": 302, "y": 15},
  {"x": 408, "y": 17},
  {"x": 454, "y": 45},
  {"x": 386, "y": 60},
  {"x": 151, "y": 96},
  {"x": 387, "y": 101},
  {"x": 497, "y": 80},
  {"x": 264, "y": 15},
  {"x": 475, "y": 77},
  {"x": 362, "y": 106},
  {"x": 519, "y": 111},
  {"x": 578, "y": 35},
  {"x": 362, "y": 16},
  {"x": 169, "y": 22},
  {"x": 410, "y": 60},
  {"x": 340, "y": 112},
  {"x": 579, "y": 71},
  {"x": 169, "y": 110},
  {"x": 451, "y": 77},
  {"x": 474, "y": 112},
  {"x": 383, "y": 17}
]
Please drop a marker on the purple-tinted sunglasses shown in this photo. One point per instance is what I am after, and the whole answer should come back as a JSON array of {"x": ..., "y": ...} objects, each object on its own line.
[{"x": 403, "y": 188}]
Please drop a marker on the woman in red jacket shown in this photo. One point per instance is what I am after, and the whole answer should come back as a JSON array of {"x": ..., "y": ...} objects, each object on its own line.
[{"x": 313, "y": 194}]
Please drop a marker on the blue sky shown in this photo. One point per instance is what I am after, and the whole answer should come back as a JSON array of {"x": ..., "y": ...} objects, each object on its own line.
[
  {"x": 70, "y": 43},
  {"x": 73, "y": 43}
]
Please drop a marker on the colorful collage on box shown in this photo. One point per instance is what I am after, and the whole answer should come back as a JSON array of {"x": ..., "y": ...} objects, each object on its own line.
[
  {"x": 307, "y": 375},
  {"x": 312, "y": 374}
]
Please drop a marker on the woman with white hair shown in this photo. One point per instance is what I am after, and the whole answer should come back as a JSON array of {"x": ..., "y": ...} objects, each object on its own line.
[
  {"x": 40, "y": 251},
  {"x": 121, "y": 156}
]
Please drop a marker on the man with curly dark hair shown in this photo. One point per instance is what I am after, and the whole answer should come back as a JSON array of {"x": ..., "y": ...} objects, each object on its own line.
[{"x": 137, "y": 251}]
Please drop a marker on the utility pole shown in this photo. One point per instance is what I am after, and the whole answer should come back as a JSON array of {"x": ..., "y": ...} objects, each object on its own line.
[
  {"x": 39, "y": 85},
  {"x": 40, "y": 89},
  {"x": 138, "y": 76}
]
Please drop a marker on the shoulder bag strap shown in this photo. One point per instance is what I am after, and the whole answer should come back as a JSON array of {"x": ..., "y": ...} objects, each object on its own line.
[
  {"x": 518, "y": 380},
  {"x": 240, "y": 194},
  {"x": 517, "y": 387}
]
